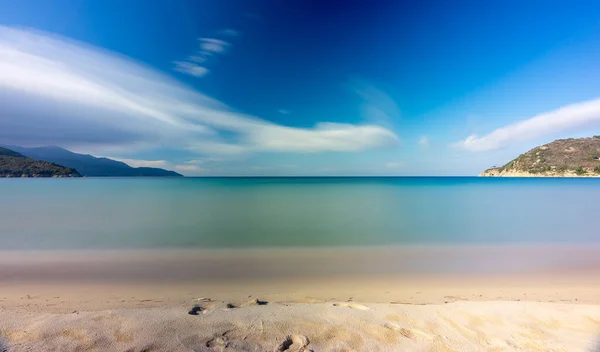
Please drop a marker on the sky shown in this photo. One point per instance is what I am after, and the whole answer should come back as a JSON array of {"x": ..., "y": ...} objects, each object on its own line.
[{"x": 210, "y": 88}]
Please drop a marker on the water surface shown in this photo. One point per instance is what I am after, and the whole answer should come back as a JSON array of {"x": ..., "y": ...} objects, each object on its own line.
[{"x": 136, "y": 213}]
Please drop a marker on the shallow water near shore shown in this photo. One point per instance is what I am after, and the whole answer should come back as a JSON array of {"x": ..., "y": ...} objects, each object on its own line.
[{"x": 154, "y": 213}]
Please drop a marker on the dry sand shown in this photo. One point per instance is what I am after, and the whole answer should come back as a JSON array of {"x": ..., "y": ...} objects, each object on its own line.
[{"x": 378, "y": 299}]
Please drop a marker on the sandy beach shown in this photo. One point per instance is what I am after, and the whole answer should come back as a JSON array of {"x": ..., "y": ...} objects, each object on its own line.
[
  {"x": 406, "y": 298},
  {"x": 299, "y": 176}
]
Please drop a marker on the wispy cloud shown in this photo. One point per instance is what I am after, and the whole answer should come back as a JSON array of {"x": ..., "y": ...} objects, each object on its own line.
[
  {"x": 143, "y": 163},
  {"x": 187, "y": 168},
  {"x": 377, "y": 106},
  {"x": 424, "y": 142},
  {"x": 207, "y": 147},
  {"x": 211, "y": 46},
  {"x": 196, "y": 59},
  {"x": 284, "y": 111},
  {"x": 324, "y": 136},
  {"x": 190, "y": 68},
  {"x": 230, "y": 32},
  {"x": 204, "y": 161},
  {"x": 195, "y": 64},
  {"x": 57, "y": 91},
  {"x": 566, "y": 119}
]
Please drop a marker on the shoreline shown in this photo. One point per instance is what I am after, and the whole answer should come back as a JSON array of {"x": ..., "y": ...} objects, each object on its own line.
[
  {"x": 416, "y": 274},
  {"x": 519, "y": 263},
  {"x": 410, "y": 298}
]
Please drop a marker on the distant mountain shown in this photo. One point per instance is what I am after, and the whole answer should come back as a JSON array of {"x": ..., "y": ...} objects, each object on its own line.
[
  {"x": 13, "y": 164},
  {"x": 89, "y": 165},
  {"x": 573, "y": 157}
]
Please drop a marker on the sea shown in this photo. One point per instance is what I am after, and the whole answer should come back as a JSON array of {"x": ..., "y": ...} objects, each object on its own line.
[{"x": 242, "y": 212}]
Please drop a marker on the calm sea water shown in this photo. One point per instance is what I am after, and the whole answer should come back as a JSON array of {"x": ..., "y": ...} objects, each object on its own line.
[{"x": 256, "y": 212}]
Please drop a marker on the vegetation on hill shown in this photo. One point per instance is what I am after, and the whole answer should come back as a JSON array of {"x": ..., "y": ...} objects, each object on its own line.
[
  {"x": 13, "y": 164},
  {"x": 573, "y": 157},
  {"x": 89, "y": 165}
]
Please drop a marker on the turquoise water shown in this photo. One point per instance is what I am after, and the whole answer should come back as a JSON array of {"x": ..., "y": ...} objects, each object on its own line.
[{"x": 256, "y": 212}]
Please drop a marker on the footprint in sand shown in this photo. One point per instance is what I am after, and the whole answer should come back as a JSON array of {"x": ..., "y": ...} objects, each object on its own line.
[
  {"x": 208, "y": 306},
  {"x": 229, "y": 340},
  {"x": 351, "y": 305},
  {"x": 255, "y": 302},
  {"x": 219, "y": 341},
  {"x": 294, "y": 343},
  {"x": 196, "y": 310},
  {"x": 451, "y": 299}
]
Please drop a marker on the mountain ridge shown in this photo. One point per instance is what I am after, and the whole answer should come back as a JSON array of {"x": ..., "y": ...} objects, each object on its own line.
[
  {"x": 14, "y": 164},
  {"x": 89, "y": 165}
]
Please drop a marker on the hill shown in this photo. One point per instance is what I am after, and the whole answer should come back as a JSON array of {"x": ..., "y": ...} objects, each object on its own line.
[
  {"x": 89, "y": 165},
  {"x": 573, "y": 157},
  {"x": 13, "y": 164}
]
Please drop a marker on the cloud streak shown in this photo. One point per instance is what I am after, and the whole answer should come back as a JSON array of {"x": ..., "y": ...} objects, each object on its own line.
[
  {"x": 190, "y": 68},
  {"x": 188, "y": 169},
  {"x": 230, "y": 32},
  {"x": 566, "y": 119},
  {"x": 57, "y": 91},
  {"x": 143, "y": 163},
  {"x": 212, "y": 46},
  {"x": 377, "y": 106},
  {"x": 209, "y": 48}
]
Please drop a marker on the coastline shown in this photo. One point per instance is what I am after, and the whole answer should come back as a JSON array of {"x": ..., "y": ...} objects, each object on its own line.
[{"x": 494, "y": 173}]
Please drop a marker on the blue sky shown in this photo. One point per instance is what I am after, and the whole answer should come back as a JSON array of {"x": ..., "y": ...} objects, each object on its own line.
[{"x": 300, "y": 87}]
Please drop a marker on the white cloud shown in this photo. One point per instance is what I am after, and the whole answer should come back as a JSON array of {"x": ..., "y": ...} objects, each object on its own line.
[
  {"x": 217, "y": 148},
  {"x": 143, "y": 163},
  {"x": 324, "y": 137},
  {"x": 566, "y": 119},
  {"x": 424, "y": 142},
  {"x": 284, "y": 111},
  {"x": 190, "y": 68},
  {"x": 212, "y": 45},
  {"x": 187, "y": 168},
  {"x": 203, "y": 161},
  {"x": 198, "y": 59},
  {"x": 57, "y": 91},
  {"x": 209, "y": 47}
]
